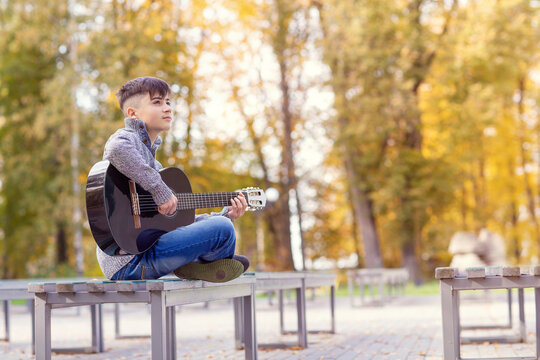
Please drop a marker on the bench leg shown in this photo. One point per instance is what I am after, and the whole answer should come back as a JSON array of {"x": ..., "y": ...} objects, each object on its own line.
[
  {"x": 450, "y": 318},
  {"x": 522, "y": 328},
  {"x": 360, "y": 291},
  {"x": 350, "y": 283},
  {"x": 116, "y": 321},
  {"x": 332, "y": 309},
  {"x": 238, "y": 323},
  {"x": 171, "y": 332},
  {"x": 97, "y": 328},
  {"x": 5, "y": 304},
  {"x": 537, "y": 311},
  {"x": 42, "y": 327},
  {"x": 281, "y": 315},
  {"x": 32, "y": 309},
  {"x": 301, "y": 315},
  {"x": 159, "y": 325},
  {"x": 249, "y": 328},
  {"x": 510, "y": 322}
]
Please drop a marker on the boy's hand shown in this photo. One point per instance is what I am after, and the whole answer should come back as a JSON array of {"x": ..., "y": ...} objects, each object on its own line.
[
  {"x": 168, "y": 207},
  {"x": 238, "y": 207}
]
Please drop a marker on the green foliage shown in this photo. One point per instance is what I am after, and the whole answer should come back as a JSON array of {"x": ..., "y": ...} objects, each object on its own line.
[{"x": 435, "y": 112}]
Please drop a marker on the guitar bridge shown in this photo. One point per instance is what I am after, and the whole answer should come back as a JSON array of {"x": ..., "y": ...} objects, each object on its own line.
[{"x": 135, "y": 208}]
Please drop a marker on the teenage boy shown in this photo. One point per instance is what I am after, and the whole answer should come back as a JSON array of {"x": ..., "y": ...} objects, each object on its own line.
[{"x": 203, "y": 250}]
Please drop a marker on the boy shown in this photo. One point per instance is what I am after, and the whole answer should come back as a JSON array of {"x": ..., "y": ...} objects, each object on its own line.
[{"x": 203, "y": 250}]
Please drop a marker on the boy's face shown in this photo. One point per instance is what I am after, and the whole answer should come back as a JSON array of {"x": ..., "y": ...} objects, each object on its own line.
[{"x": 155, "y": 112}]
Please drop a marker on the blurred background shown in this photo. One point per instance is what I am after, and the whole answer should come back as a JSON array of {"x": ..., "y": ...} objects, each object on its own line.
[{"x": 382, "y": 127}]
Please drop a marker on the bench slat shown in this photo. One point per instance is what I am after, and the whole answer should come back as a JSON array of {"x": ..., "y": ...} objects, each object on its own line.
[
  {"x": 511, "y": 271},
  {"x": 476, "y": 272},
  {"x": 445, "y": 273}
]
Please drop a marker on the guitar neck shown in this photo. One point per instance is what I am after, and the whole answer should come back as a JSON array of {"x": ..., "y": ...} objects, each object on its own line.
[{"x": 189, "y": 201}]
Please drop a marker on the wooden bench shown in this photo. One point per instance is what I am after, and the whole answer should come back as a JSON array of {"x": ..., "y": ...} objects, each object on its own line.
[
  {"x": 18, "y": 290},
  {"x": 162, "y": 295},
  {"x": 394, "y": 280},
  {"x": 298, "y": 281},
  {"x": 480, "y": 278}
]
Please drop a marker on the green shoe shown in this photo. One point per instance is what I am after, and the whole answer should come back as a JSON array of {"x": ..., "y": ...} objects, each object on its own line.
[{"x": 216, "y": 271}]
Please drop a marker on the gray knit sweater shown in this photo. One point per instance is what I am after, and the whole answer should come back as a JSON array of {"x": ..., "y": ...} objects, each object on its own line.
[{"x": 131, "y": 152}]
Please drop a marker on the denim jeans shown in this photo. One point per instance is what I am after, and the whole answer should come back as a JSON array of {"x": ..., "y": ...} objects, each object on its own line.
[{"x": 209, "y": 239}]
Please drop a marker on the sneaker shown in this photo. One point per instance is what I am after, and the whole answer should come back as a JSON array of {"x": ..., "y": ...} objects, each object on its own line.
[
  {"x": 216, "y": 271},
  {"x": 244, "y": 260}
]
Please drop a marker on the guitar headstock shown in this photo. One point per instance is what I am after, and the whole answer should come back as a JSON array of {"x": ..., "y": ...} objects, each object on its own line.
[{"x": 255, "y": 197}]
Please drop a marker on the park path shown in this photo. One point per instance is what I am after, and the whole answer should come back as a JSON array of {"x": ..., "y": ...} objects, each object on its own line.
[{"x": 408, "y": 327}]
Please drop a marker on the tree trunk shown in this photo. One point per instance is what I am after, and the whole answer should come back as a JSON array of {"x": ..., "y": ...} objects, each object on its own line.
[
  {"x": 531, "y": 204},
  {"x": 300, "y": 230},
  {"x": 278, "y": 222},
  {"x": 409, "y": 260},
  {"x": 356, "y": 233},
  {"x": 74, "y": 153},
  {"x": 288, "y": 177},
  {"x": 61, "y": 245},
  {"x": 364, "y": 217}
]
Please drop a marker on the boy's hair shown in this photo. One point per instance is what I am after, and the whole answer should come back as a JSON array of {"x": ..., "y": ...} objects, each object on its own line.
[{"x": 142, "y": 86}]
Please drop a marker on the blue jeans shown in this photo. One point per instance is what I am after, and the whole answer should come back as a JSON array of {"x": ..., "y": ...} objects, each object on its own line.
[{"x": 209, "y": 239}]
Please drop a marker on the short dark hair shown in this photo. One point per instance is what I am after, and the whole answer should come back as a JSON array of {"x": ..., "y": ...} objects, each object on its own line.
[{"x": 140, "y": 86}]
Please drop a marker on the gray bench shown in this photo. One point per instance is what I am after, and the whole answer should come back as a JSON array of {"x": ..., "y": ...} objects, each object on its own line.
[
  {"x": 394, "y": 280},
  {"x": 298, "y": 281},
  {"x": 316, "y": 280},
  {"x": 452, "y": 282},
  {"x": 18, "y": 290},
  {"x": 162, "y": 295}
]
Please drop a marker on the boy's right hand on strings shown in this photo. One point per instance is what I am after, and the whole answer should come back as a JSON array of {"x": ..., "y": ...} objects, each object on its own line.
[{"x": 168, "y": 207}]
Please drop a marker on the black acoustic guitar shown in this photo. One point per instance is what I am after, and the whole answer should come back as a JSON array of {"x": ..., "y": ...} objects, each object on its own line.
[{"x": 121, "y": 213}]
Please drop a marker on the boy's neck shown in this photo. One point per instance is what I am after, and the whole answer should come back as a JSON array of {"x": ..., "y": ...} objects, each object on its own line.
[{"x": 153, "y": 136}]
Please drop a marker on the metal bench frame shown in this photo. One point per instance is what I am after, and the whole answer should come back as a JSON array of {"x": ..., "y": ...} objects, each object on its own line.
[
  {"x": 451, "y": 282},
  {"x": 393, "y": 279},
  {"x": 298, "y": 281},
  {"x": 18, "y": 290},
  {"x": 162, "y": 295}
]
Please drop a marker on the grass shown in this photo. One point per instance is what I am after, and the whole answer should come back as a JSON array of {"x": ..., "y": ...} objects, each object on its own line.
[{"x": 427, "y": 288}]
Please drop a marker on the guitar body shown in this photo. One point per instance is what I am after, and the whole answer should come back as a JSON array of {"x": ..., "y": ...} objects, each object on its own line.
[{"x": 109, "y": 209}]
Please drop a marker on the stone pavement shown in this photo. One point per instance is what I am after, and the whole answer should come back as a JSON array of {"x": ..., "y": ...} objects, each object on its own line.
[{"x": 405, "y": 328}]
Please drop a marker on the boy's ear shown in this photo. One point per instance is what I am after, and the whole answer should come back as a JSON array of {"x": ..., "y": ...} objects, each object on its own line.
[{"x": 130, "y": 111}]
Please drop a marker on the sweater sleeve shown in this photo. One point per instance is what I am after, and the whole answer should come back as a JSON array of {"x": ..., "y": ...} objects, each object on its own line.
[{"x": 123, "y": 155}]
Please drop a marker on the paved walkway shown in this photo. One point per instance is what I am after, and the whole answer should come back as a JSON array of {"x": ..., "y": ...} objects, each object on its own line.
[{"x": 406, "y": 328}]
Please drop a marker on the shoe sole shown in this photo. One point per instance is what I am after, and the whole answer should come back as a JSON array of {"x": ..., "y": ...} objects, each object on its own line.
[{"x": 217, "y": 271}]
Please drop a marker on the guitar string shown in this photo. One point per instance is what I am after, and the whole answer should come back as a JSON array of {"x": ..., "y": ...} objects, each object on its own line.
[
  {"x": 194, "y": 197},
  {"x": 193, "y": 201},
  {"x": 199, "y": 194},
  {"x": 190, "y": 200}
]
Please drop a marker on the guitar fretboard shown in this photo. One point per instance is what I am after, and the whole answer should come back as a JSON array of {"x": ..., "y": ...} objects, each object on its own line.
[{"x": 205, "y": 200}]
